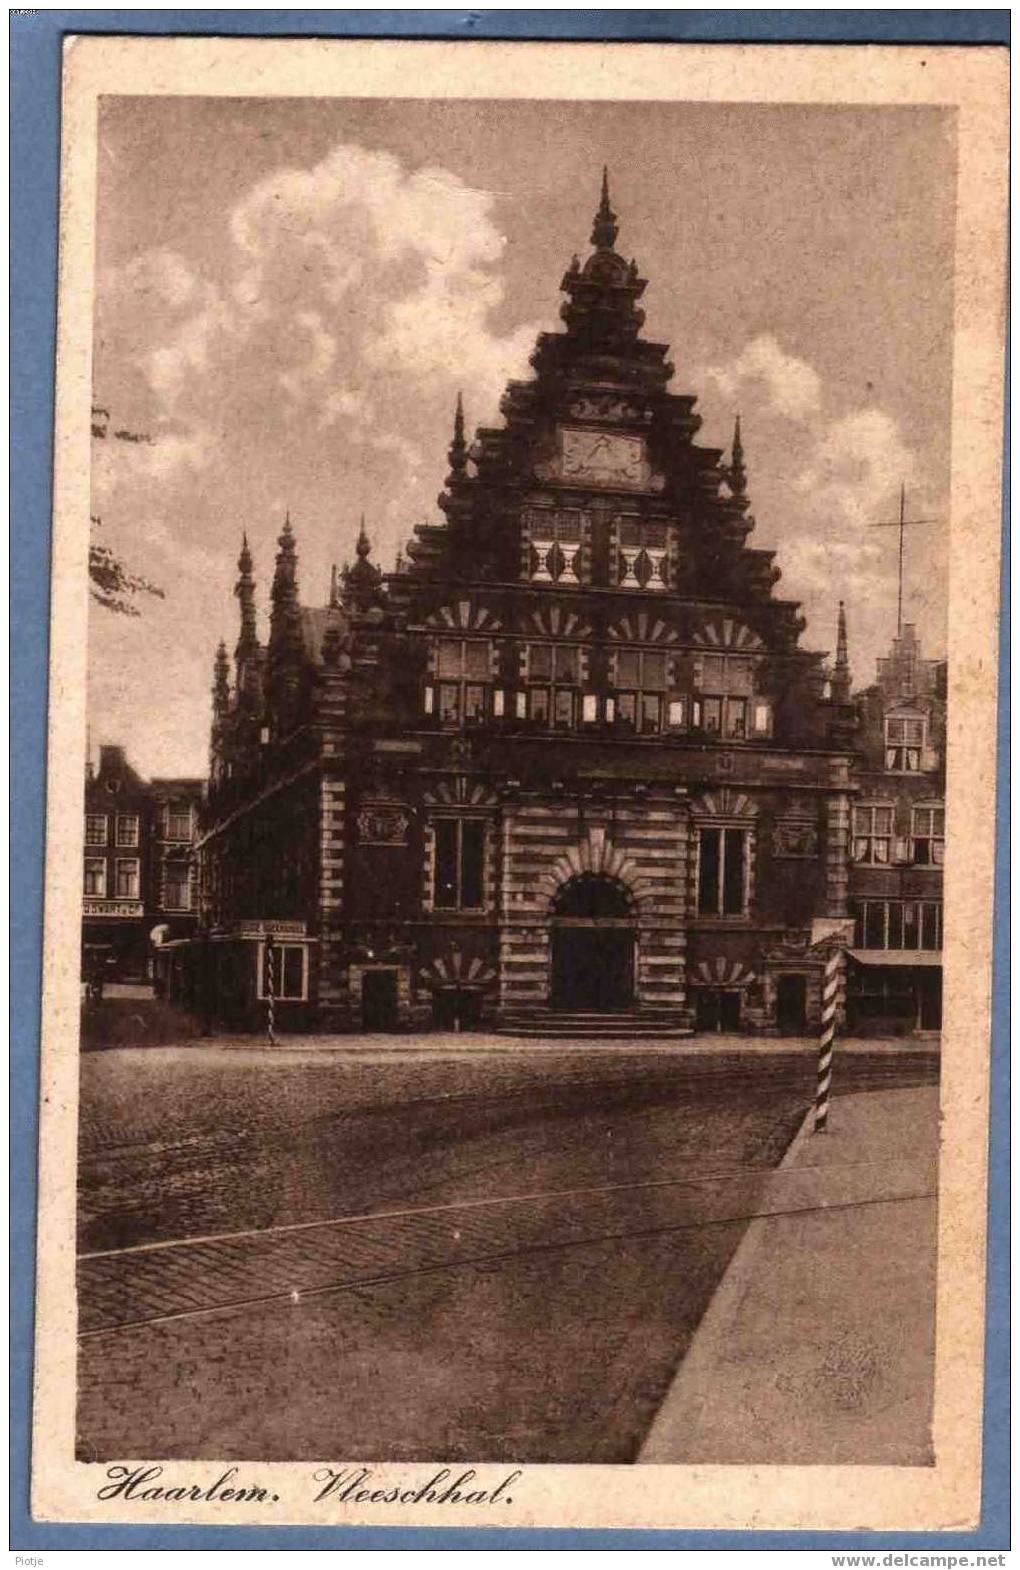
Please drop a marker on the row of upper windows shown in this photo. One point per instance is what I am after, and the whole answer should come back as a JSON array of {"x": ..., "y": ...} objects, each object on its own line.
[
  {"x": 559, "y": 551},
  {"x": 97, "y": 829},
  {"x": 176, "y": 823},
  {"x": 875, "y": 845},
  {"x": 642, "y": 700},
  {"x": 563, "y": 708},
  {"x": 459, "y": 852},
  {"x": 126, "y": 881},
  {"x": 897, "y": 924},
  {"x": 474, "y": 659}
]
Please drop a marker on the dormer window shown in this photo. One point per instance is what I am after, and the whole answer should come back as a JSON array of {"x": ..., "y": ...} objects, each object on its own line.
[{"x": 904, "y": 743}]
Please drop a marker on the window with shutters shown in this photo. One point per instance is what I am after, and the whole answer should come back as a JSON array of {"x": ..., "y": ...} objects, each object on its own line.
[
  {"x": 723, "y": 871},
  {"x": 458, "y": 863}
]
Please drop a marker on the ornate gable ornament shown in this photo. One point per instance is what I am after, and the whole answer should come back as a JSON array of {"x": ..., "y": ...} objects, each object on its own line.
[
  {"x": 554, "y": 621},
  {"x": 721, "y": 972},
  {"x": 725, "y": 803},
  {"x": 460, "y": 792},
  {"x": 595, "y": 853},
  {"x": 462, "y": 616},
  {"x": 455, "y": 969},
  {"x": 644, "y": 627},
  {"x": 725, "y": 632}
]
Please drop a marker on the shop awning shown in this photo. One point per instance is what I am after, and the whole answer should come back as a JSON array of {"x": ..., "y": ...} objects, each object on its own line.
[{"x": 912, "y": 957}]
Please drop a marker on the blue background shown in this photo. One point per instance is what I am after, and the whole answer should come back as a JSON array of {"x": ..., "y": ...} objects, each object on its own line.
[{"x": 35, "y": 129}]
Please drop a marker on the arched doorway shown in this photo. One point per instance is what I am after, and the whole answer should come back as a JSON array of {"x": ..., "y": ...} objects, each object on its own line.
[{"x": 592, "y": 946}]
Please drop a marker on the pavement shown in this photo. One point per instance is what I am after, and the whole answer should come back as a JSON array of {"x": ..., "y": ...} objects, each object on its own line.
[
  {"x": 818, "y": 1346},
  {"x": 439, "y": 1044}
]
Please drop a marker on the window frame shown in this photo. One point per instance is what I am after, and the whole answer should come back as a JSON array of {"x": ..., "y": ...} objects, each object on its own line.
[
  {"x": 123, "y": 821},
  {"x": 279, "y": 997},
  {"x": 168, "y": 821},
  {"x": 441, "y": 685},
  {"x": 185, "y": 880},
  {"x": 641, "y": 693},
  {"x": 871, "y": 835},
  {"x": 936, "y": 842},
  {"x": 101, "y": 818},
  {"x": 726, "y": 831},
  {"x": 904, "y": 748},
  {"x": 893, "y": 921},
  {"x": 92, "y": 862},
  {"x": 127, "y": 861},
  {"x": 459, "y": 820}
]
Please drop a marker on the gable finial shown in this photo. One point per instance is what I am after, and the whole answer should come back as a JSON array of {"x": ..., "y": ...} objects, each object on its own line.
[{"x": 605, "y": 228}]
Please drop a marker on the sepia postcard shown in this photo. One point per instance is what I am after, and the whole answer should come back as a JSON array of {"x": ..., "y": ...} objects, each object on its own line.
[{"x": 521, "y": 810}]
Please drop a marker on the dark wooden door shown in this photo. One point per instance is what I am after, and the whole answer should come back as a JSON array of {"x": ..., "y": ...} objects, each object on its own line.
[
  {"x": 791, "y": 1005},
  {"x": 379, "y": 1000},
  {"x": 593, "y": 969},
  {"x": 717, "y": 1009}
]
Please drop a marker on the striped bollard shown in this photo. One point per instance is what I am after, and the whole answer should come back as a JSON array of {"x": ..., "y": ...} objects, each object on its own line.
[
  {"x": 270, "y": 989},
  {"x": 827, "y": 1040}
]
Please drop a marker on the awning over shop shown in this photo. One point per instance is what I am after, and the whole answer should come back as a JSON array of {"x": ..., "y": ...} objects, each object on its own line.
[{"x": 912, "y": 957}]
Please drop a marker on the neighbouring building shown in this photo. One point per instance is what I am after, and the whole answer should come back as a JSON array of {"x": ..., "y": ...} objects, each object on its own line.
[
  {"x": 894, "y": 978},
  {"x": 567, "y": 763},
  {"x": 138, "y": 876}
]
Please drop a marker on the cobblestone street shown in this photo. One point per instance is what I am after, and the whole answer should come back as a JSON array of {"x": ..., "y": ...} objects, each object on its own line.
[{"x": 476, "y": 1251}]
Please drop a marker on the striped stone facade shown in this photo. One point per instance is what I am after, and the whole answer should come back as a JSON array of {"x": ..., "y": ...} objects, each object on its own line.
[{"x": 569, "y": 755}]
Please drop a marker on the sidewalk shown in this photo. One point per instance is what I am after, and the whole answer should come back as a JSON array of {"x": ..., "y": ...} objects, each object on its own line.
[
  {"x": 818, "y": 1347},
  {"x": 449, "y": 1044}
]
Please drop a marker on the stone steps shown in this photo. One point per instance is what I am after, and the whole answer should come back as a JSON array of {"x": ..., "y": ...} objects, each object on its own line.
[{"x": 661, "y": 1024}]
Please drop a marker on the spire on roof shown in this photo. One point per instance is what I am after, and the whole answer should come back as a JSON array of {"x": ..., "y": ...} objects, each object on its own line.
[
  {"x": 841, "y": 675},
  {"x": 605, "y": 228},
  {"x": 738, "y": 472},
  {"x": 361, "y": 582},
  {"x": 221, "y": 681},
  {"x": 244, "y": 588},
  {"x": 458, "y": 447}
]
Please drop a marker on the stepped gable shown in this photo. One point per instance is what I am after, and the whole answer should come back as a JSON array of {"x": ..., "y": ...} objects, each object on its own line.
[{"x": 596, "y": 428}]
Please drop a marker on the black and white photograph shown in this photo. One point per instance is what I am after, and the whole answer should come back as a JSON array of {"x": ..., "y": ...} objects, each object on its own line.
[{"x": 512, "y": 817}]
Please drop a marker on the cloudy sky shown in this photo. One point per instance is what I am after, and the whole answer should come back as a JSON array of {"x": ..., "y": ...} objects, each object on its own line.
[{"x": 290, "y": 293}]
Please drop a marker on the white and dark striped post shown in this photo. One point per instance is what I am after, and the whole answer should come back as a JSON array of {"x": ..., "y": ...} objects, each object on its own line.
[
  {"x": 270, "y": 993},
  {"x": 827, "y": 1039}
]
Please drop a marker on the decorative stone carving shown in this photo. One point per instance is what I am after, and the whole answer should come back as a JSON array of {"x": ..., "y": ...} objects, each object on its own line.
[
  {"x": 382, "y": 823},
  {"x": 795, "y": 838}
]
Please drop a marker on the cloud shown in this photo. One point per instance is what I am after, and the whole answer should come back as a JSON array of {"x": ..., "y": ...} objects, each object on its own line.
[{"x": 766, "y": 377}]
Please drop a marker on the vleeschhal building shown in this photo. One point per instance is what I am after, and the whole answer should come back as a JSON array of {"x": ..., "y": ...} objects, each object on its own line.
[{"x": 567, "y": 761}]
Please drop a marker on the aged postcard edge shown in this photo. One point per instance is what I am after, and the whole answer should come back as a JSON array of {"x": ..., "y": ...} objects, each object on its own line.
[{"x": 974, "y": 80}]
